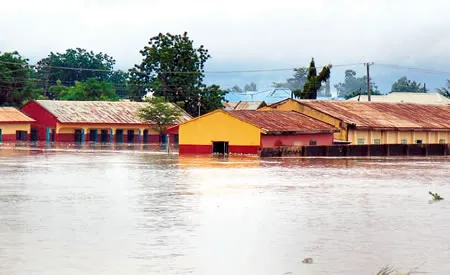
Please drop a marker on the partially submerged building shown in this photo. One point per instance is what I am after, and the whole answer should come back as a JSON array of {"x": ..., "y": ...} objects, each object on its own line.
[
  {"x": 245, "y": 132},
  {"x": 14, "y": 125},
  {"x": 376, "y": 122},
  {"x": 96, "y": 121}
]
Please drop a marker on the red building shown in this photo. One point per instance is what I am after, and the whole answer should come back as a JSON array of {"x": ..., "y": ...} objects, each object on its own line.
[{"x": 95, "y": 121}]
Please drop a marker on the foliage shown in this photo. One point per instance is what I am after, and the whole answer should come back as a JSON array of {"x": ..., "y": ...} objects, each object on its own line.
[
  {"x": 403, "y": 84},
  {"x": 297, "y": 82},
  {"x": 52, "y": 68},
  {"x": 356, "y": 93},
  {"x": 212, "y": 98},
  {"x": 16, "y": 84},
  {"x": 160, "y": 113},
  {"x": 445, "y": 91},
  {"x": 353, "y": 85},
  {"x": 173, "y": 68},
  {"x": 313, "y": 81},
  {"x": 120, "y": 81},
  {"x": 436, "y": 196},
  {"x": 91, "y": 89},
  {"x": 387, "y": 270},
  {"x": 251, "y": 87},
  {"x": 236, "y": 89}
]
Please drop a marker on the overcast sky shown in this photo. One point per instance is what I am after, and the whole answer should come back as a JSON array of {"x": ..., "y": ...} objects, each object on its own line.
[{"x": 244, "y": 34}]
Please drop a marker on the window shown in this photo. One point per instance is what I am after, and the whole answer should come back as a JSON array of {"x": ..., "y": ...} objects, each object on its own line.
[
  {"x": 360, "y": 141},
  {"x": 21, "y": 135},
  {"x": 376, "y": 141},
  {"x": 442, "y": 141},
  {"x": 404, "y": 141},
  {"x": 419, "y": 141},
  {"x": 312, "y": 142}
]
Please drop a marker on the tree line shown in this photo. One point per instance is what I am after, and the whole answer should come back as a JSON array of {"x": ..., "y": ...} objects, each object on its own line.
[{"x": 171, "y": 68}]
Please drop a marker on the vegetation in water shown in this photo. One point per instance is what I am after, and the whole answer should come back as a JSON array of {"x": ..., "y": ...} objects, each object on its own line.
[{"x": 436, "y": 196}]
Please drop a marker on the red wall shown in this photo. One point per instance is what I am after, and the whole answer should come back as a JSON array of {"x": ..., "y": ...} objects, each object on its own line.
[
  {"x": 207, "y": 149},
  {"x": 43, "y": 118},
  {"x": 268, "y": 141},
  {"x": 8, "y": 138}
]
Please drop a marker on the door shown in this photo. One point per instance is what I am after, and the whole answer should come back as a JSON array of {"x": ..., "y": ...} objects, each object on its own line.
[
  {"x": 34, "y": 134},
  {"x": 93, "y": 135},
  {"x": 220, "y": 147},
  {"x": 130, "y": 136},
  {"x": 145, "y": 136},
  {"x": 104, "y": 136},
  {"x": 119, "y": 135},
  {"x": 78, "y": 135},
  {"x": 0, "y": 135}
]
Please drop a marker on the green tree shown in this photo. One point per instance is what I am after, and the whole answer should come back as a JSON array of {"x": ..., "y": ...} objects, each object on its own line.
[
  {"x": 403, "y": 84},
  {"x": 160, "y": 113},
  {"x": 297, "y": 82},
  {"x": 171, "y": 67},
  {"x": 313, "y": 81},
  {"x": 91, "y": 89},
  {"x": 60, "y": 66},
  {"x": 16, "y": 82},
  {"x": 236, "y": 89},
  {"x": 354, "y": 85},
  {"x": 445, "y": 91},
  {"x": 212, "y": 98},
  {"x": 251, "y": 87},
  {"x": 120, "y": 81}
]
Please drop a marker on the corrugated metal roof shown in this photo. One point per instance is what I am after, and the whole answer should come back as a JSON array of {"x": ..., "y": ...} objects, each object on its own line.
[
  {"x": 110, "y": 112},
  {"x": 244, "y": 105},
  {"x": 10, "y": 114},
  {"x": 283, "y": 121},
  {"x": 385, "y": 115},
  {"x": 404, "y": 97}
]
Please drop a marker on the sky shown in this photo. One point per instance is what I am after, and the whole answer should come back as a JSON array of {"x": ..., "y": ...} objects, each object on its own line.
[{"x": 245, "y": 34}]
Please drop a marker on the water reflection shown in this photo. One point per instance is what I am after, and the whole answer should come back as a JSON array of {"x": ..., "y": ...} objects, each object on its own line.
[{"x": 98, "y": 210}]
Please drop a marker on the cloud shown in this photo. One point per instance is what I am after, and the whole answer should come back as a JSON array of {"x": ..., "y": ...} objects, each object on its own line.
[{"x": 260, "y": 34}]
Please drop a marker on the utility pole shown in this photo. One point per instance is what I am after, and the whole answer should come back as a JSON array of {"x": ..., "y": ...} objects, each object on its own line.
[{"x": 368, "y": 80}]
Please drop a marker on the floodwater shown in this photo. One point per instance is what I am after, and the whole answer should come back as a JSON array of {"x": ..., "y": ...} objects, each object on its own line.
[{"x": 134, "y": 212}]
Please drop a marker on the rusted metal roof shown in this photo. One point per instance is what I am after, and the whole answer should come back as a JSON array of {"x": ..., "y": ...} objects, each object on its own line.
[
  {"x": 108, "y": 112},
  {"x": 283, "y": 121},
  {"x": 10, "y": 114},
  {"x": 381, "y": 115},
  {"x": 244, "y": 105}
]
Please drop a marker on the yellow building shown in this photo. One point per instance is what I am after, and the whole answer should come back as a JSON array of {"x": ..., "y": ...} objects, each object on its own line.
[
  {"x": 246, "y": 131},
  {"x": 14, "y": 125},
  {"x": 376, "y": 122}
]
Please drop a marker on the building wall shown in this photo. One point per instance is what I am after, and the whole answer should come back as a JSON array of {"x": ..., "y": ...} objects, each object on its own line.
[
  {"x": 43, "y": 119},
  {"x": 9, "y": 130},
  {"x": 398, "y": 137},
  {"x": 66, "y": 132},
  {"x": 296, "y": 140},
  {"x": 197, "y": 135},
  {"x": 292, "y": 105}
]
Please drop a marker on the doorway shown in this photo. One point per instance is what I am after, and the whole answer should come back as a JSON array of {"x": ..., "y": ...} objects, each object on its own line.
[
  {"x": 34, "y": 134},
  {"x": 119, "y": 136},
  {"x": 93, "y": 135},
  {"x": 79, "y": 135},
  {"x": 130, "y": 136},
  {"x": 104, "y": 136},
  {"x": 220, "y": 147}
]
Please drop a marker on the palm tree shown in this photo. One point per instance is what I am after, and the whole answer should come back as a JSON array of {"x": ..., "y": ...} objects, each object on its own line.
[{"x": 445, "y": 91}]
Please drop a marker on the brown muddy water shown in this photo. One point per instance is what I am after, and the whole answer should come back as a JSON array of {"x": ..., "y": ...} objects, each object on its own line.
[{"x": 134, "y": 212}]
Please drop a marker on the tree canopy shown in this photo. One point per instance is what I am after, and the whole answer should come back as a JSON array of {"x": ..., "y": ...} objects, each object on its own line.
[
  {"x": 17, "y": 84},
  {"x": 60, "y": 66},
  {"x": 212, "y": 98},
  {"x": 445, "y": 91},
  {"x": 313, "y": 81},
  {"x": 403, "y": 84},
  {"x": 91, "y": 89},
  {"x": 172, "y": 67},
  {"x": 297, "y": 82},
  {"x": 160, "y": 113},
  {"x": 354, "y": 85}
]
